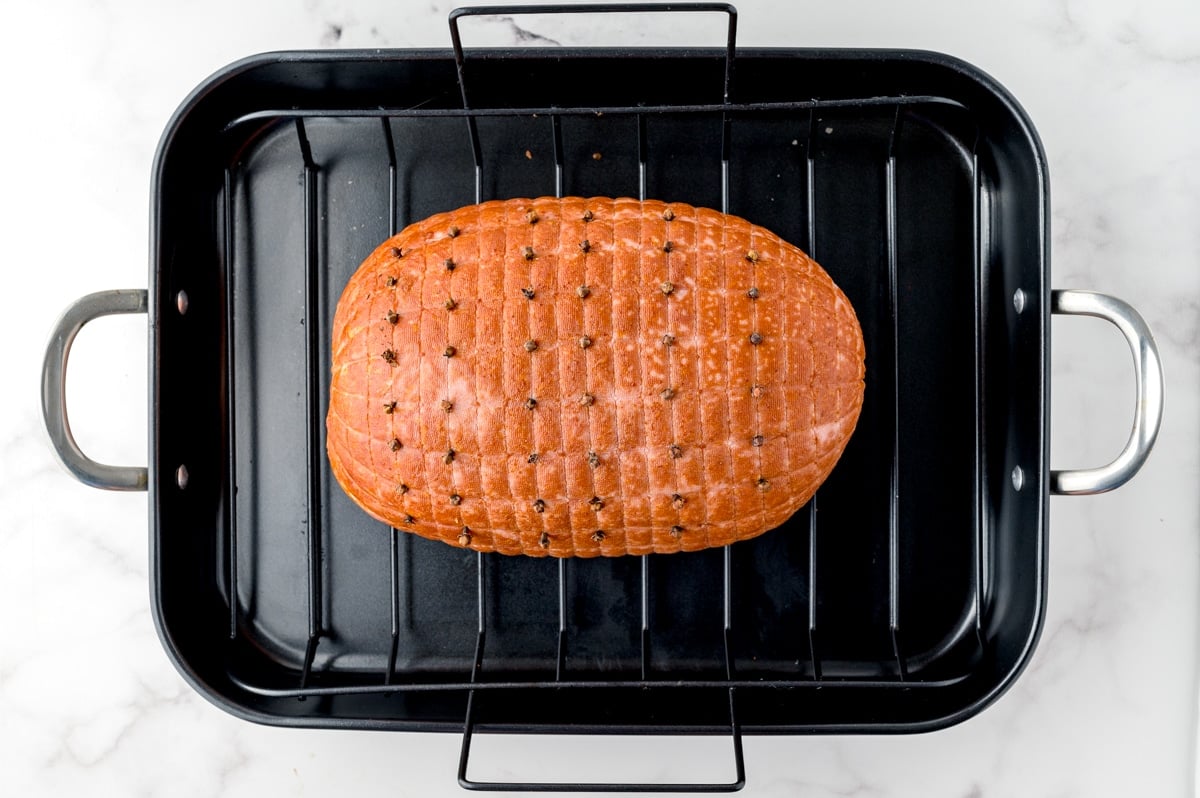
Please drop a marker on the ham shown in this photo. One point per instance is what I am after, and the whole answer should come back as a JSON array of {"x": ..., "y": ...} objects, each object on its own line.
[{"x": 589, "y": 377}]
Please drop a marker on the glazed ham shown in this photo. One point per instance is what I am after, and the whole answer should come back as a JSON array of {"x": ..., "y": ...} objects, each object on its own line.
[{"x": 584, "y": 377}]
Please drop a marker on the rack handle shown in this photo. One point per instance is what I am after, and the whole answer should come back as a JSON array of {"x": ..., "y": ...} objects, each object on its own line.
[
  {"x": 1148, "y": 381},
  {"x": 54, "y": 401},
  {"x": 594, "y": 8},
  {"x": 696, "y": 787}
]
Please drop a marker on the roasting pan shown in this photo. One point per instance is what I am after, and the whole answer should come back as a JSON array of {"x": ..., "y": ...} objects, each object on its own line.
[{"x": 905, "y": 597}]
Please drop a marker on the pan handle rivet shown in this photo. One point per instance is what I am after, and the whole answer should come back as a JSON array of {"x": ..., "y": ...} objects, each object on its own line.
[
  {"x": 1019, "y": 300},
  {"x": 181, "y": 302},
  {"x": 181, "y": 477},
  {"x": 1018, "y": 478}
]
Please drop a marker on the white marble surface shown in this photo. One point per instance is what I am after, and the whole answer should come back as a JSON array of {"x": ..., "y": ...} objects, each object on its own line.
[{"x": 89, "y": 703}]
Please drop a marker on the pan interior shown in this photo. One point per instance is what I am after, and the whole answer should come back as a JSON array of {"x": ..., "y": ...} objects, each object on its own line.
[{"x": 903, "y": 596}]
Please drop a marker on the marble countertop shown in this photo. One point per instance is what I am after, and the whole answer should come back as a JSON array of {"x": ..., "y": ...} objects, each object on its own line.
[{"x": 91, "y": 705}]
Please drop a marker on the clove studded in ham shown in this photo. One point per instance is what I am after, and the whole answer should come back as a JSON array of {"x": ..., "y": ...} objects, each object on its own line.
[{"x": 584, "y": 377}]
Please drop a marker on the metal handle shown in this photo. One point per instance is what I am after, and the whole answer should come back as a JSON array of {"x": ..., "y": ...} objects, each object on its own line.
[
  {"x": 1148, "y": 380},
  {"x": 738, "y": 783},
  {"x": 54, "y": 402}
]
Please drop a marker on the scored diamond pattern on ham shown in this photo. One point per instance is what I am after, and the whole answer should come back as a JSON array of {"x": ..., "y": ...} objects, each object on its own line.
[{"x": 590, "y": 376}]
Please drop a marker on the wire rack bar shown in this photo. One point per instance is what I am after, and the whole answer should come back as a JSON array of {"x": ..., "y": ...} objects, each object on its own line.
[
  {"x": 230, "y": 405},
  {"x": 810, "y": 188},
  {"x": 312, "y": 364},
  {"x": 733, "y": 109},
  {"x": 644, "y": 632},
  {"x": 394, "y": 559},
  {"x": 735, "y": 728},
  {"x": 556, "y": 129},
  {"x": 560, "y": 659},
  {"x": 644, "y": 636},
  {"x": 391, "y": 152},
  {"x": 481, "y": 613},
  {"x": 812, "y": 589},
  {"x": 561, "y": 654},
  {"x": 727, "y": 553},
  {"x": 375, "y": 687},
  {"x": 393, "y": 533}
]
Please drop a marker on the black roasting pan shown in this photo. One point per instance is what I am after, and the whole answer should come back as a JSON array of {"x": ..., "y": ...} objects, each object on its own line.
[{"x": 907, "y": 595}]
